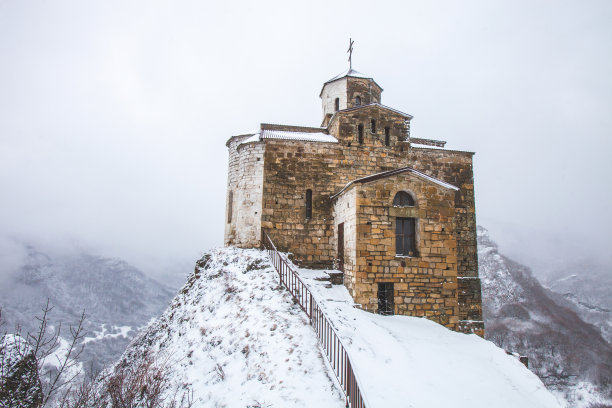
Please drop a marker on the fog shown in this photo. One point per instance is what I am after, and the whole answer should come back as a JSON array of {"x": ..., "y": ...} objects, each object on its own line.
[{"x": 114, "y": 115}]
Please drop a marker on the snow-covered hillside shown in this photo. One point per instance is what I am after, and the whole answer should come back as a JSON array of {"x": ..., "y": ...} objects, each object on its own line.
[
  {"x": 568, "y": 354},
  {"x": 117, "y": 298},
  {"x": 235, "y": 339}
]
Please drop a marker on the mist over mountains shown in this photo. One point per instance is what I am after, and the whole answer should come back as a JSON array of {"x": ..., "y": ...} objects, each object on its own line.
[
  {"x": 116, "y": 297},
  {"x": 569, "y": 354}
]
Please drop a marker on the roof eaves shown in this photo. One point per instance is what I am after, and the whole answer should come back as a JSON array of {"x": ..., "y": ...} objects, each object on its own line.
[
  {"x": 394, "y": 172},
  {"x": 376, "y": 104}
]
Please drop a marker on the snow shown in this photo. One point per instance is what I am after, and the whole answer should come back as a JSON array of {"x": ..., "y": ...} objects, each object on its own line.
[
  {"x": 288, "y": 135},
  {"x": 412, "y": 362},
  {"x": 237, "y": 340},
  {"x": 304, "y": 136},
  {"x": 349, "y": 72},
  {"x": 115, "y": 332}
]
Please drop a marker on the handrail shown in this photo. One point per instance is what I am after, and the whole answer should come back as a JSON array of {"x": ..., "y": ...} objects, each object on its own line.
[{"x": 328, "y": 338}]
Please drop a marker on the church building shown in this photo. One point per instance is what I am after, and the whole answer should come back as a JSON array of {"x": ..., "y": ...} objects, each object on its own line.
[{"x": 394, "y": 213}]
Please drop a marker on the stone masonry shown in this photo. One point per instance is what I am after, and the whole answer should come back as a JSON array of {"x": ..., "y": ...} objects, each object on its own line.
[{"x": 271, "y": 171}]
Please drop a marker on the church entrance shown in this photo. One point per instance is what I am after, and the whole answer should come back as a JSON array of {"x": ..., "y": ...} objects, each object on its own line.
[{"x": 341, "y": 247}]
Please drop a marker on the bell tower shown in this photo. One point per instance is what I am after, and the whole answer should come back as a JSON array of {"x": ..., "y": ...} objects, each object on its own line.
[{"x": 348, "y": 90}]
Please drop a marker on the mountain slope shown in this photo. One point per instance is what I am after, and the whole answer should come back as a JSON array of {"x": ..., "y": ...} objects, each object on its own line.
[
  {"x": 568, "y": 354},
  {"x": 235, "y": 339},
  {"x": 116, "y": 297},
  {"x": 588, "y": 291}
]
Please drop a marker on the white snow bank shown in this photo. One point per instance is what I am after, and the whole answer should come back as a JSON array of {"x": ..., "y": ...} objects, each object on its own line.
[
  {"x": 237, "y": 340},
  {"x": 412, "y": 362}
]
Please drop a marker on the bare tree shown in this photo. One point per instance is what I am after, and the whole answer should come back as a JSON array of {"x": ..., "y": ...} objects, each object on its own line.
[{"x": 36, "y": 377}]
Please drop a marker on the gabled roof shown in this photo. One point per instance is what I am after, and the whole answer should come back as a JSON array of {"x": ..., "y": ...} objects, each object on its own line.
[
  {"x": 394, "y": 172},
  {"x": 370, "y": 105},
  {"x": 376, "y": 104},
  {"x": 349, "y": 73}
]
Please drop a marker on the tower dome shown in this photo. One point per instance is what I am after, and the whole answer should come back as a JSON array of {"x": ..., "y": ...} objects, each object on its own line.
[{"x": 349, "y": 89}]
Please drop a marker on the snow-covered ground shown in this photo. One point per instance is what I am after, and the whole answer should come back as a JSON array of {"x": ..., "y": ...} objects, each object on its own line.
[
  {"x": 412, "y": 362},
  {"x": 235, "y": 339}
]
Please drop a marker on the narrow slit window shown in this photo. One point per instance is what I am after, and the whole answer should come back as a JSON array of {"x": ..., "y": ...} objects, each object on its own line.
[
  {"x": 358, "y": 100},
  {"x": 387, "y": 136},
  {"x": 373, "y": 125},
  {"x": 337, "y": 104},
  {"x": 360, "y": 134},
  {"x": 230, "y": 203},
  {"x": 308, "y": 204}
]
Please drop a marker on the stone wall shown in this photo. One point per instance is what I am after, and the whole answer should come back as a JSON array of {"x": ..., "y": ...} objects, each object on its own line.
[
  {"x": 292, "y": 167},
  {"x": 344, "y": 211},
  {"x": 330, "y": 92},
  {"x": 245, "y": 184},
  {"x": 363, "y": 87},
  {"x": 424, "y": 285}
]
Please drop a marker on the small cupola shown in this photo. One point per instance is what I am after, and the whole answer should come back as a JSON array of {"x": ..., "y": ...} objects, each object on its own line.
[{"x": 348, "y": 90}]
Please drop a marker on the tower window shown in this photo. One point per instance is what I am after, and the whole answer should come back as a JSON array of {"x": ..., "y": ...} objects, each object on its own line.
[
  {"x": 230, "y": 203},
  {"x": 308, "y": 204},
  {"x": 387, "y": 136},
  {"x": 358, "y": 100},
  {"x": 337, "y": 104},
  {"x": 360, "y": 134},
  {"x": 373, "y": 125}
]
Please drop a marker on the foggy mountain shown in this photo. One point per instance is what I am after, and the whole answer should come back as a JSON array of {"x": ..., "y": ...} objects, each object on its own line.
[
  {"x": 587, "y": 288},
  {"x": 567, "y": 353},
  {"x": 117, "y": 298}
]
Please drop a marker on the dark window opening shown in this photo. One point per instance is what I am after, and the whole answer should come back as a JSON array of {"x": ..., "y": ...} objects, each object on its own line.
[
  {"x": 385, "y": 298},
  {"x": 230, "y": 203},
  {"x": 337, "y": 104},
  {"x": 360, "y": 134},
  {"x": 308, "y": 204},
  {"x": 403, "y": 199},
  {"x": 405, "y": 244},
  {"x": 387, "y": 136},
  {"x": 358, "y": 100},
  {"x": 373, "y": 125}
]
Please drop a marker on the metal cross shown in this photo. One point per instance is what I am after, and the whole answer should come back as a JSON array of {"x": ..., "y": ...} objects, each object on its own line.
[{"x": 350, "y": 51}]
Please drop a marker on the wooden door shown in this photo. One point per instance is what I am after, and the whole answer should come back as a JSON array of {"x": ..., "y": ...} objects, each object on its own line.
[{"x": 341, "y": 246}]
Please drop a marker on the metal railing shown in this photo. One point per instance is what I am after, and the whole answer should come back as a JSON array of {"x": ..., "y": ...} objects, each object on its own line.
[{"x": 328, "y": 338}]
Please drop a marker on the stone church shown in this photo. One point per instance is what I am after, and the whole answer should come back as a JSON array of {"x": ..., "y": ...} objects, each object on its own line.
[{"x": 393, "y": 212}]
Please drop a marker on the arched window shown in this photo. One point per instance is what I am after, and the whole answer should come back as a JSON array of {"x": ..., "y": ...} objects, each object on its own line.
[
  {"x": 403, "y": 199},
  {"x": 358, "y": 100},
  {"x": 308, "y": 204},
  {"x": 230, "y": 203},
  {"x": 373, "y": 125},
  {"x": 337, "y": 104},
  {"x": 387, "y": 136},
  {"x": 360, "y": 134}
]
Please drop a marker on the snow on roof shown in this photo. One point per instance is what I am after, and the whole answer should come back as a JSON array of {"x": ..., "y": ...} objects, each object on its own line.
[
  {"x": 251, "y": 139},
  {"x": 380, "y": 105},
  {"x": 390, "y": 173},
  {"x": 349, "y": 72},
  {"x": 304, "y": 136}
]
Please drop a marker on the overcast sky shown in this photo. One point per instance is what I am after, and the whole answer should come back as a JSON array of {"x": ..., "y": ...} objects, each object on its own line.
[{"x": 114, "y": 114}]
